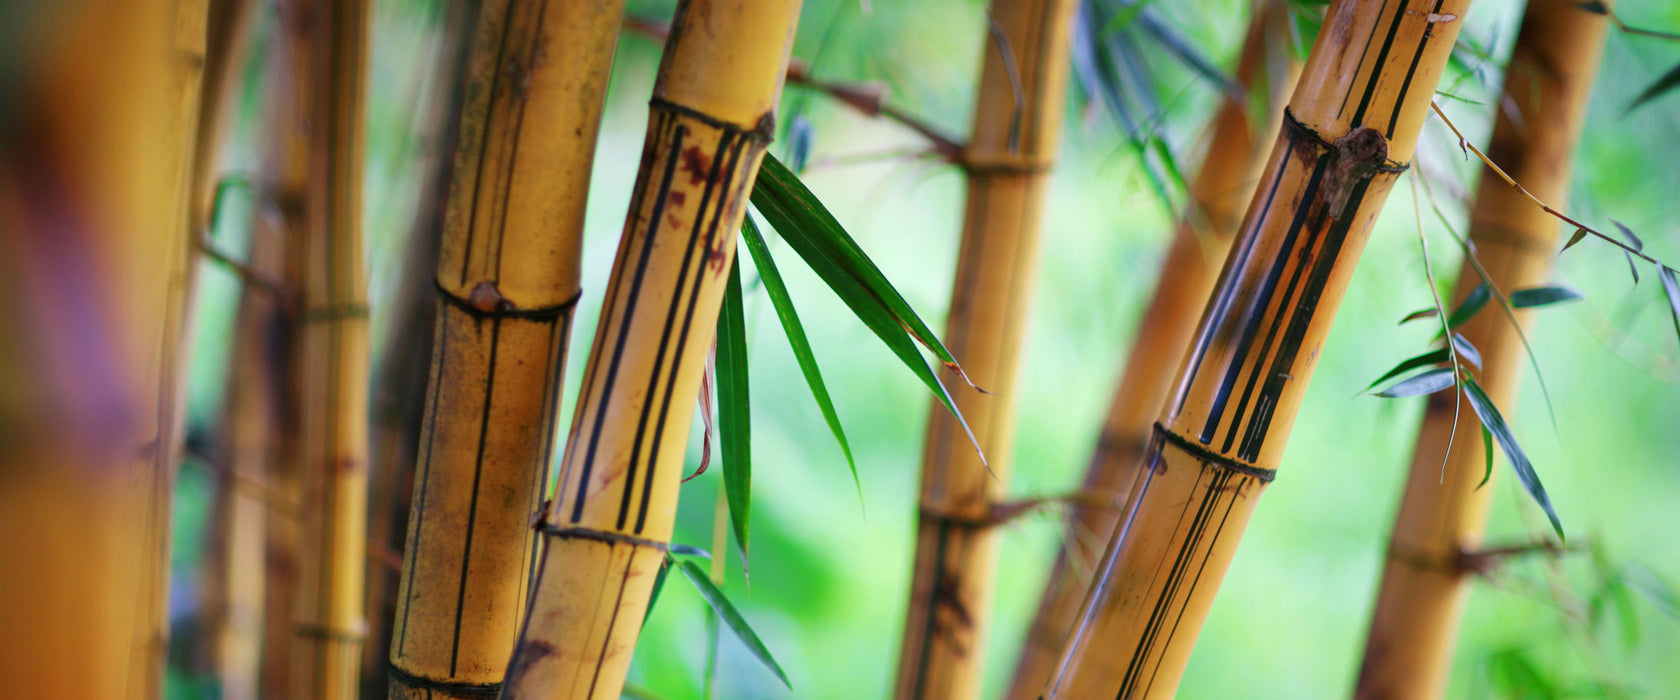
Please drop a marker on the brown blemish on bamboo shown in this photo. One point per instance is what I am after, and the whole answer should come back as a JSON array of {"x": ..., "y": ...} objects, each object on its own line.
[
  {"x": 1438, "y": 528},
  {"x": 1225, "y": 425}
]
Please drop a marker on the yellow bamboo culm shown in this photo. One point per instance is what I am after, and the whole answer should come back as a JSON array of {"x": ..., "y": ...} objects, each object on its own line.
[
  {"x": 333, "y": 360},
  {"x": 606, "y": 531},
  {"x": 1017, "y": 127},
  {"x": 508, "y": 277},
  {"x": 1217, "y": 196},
  {"x": 1408, "y": 653},
  {"x": 1347, "y": 135},
  {"x": 92, "y": 189}
]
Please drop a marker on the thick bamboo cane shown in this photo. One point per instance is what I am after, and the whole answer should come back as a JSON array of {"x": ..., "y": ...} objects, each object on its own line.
[
  {"x": 92, "y": 193},
  {"x": 1217, "y": 196},
  {"x": 1017, "y": 127},
  {"x": 333, "y": 361},
  {"x": 508, "y": 280},
  {"x": 1425, "y": 580},
  {"x": 606, "y": 531},
  {"x": 1351, "y": 125}
]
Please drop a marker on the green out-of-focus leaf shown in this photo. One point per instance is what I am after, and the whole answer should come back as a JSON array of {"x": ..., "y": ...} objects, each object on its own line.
[
  {"x": 1123, "y": 19},
  {"x": 1495, "y": 424},
  {"x": 1619, "y": 595},
  {"x": 795, "y": 331},
  {"x": 1473, "y": 302},
  {"x": 1662, "y": 86},
  {"x": 1655, "y": 590},
  {"x": 1466, "y": 351},
  {"x": 1433, "y": 357},
  {"x": 1516, "y": 675},
  {"x": 1633, "y": 242},
  {"x": 1423, "y": 383},
  {"x": 633, "y": 691},
  {"x": 731, "y": 618},
  {"x": 814, "y": 234},
  {"x": 1671, "y": 289},
  {"x": 1544, "y": 296},
  {"x": 1187, "y": 53},
  {"x": 734, "y": 414}
]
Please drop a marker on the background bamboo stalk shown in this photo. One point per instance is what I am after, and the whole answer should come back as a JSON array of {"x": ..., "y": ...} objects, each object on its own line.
[
  {"x": 1346, "y": 137},
  {"x": 606, "y": 531},
  {"x": 1425, "y": 582},
  {"x": 508, "y": 278},
  {"x": 1217, "y": 196},
  {"x": 92, "y": 166},
  {"x": 403, "y": 371},
  {"x": 333, "y": 357},
  {"x": 1017, "y": 128}
]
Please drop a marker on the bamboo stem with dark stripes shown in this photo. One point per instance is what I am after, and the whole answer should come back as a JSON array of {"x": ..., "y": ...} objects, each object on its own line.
[
  {"x": 607, "y": 529},
  {"x": 93, "y": 164},
  {"x": 1349, "y": 131},
  {"x": 1425, "y": 582},
  {"x": 1017, "y": 128},
  {"x": 507, "y": 279},
  {"x": 333, "y": 358},
  {"x": 1266, "y": 70}
]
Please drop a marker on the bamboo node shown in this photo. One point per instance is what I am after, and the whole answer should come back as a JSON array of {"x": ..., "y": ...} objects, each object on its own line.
[{"x": 584, "y": 533}]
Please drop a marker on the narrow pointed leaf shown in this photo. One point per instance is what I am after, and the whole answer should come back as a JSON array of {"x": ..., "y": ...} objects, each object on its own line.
[
  {"x": 1175, "y": 44},
  {"x": 1671, "y": 289},
  {"x": 1466, "y": 351},
  {"x": 1580, "y": 233},
  {"x": 1430, "y": 312},
  {"x": 1634, "y": 242},
  {"x": 1472, "y": 303},
  {"x": 1544, "y": 296},
  {"x": 731, "y": 617},
  {"x": 658, "y": 587},
  {"x": 1433, "y": 357},
  {"x": 1667, "y": 82},
  {"x": 786, "y": 313},
  {"x": 734, "y": 415},
  {"x": 688, "y": 550},
  {"x": 1423, "y": 383},
  {"x": 1495, "y": 424},
  {"x": 1656, "y": 590},
  {"x": 1487, "y": 457}
]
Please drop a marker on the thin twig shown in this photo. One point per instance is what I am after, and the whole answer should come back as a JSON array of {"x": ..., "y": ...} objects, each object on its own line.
[
  {"x": 281, "y": 294},
  {"x": 1446, "y": 330}
]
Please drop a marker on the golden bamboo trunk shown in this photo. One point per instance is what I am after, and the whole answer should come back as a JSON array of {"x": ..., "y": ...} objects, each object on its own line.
[
  {"x": 1017, "y": 126},
  {"x": 507, "y": 277},
  {"x": 1408, "y": 653},
  {"x": 607, "y": 529},
  {"x": 1347, "y": 135},
  {"x": 333, "y": 360},
  {"x": 1217, "y": 197}
]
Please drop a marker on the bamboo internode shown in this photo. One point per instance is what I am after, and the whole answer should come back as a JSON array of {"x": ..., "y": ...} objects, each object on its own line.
[
  {"x": 605, "y": 533},
  {"x": 333, "y": 358},
  {"x": 1217, "y": 197},
  {"x": 1408, "y": 653},
  {"x": 507, "y": 277},
  {"x": 1017, "y": 128},
  {"x": 1347, "y": 135}
]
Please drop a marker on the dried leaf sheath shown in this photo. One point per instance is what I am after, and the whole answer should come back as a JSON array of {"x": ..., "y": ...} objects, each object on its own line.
[
  {"x": 1424, "y": 587},
  {"x": 507, "y": 279},
  {"x": 1218, "y": 194},
  {"x": 1007, "y": 162},
  {"x": 1346, "y": 138},
  {"x": 333, "y": 360},
  {"x": 606, "y": 531}
]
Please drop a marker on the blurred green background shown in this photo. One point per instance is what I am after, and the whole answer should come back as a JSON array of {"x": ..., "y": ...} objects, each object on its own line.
[{"x": 829, "y": 575}]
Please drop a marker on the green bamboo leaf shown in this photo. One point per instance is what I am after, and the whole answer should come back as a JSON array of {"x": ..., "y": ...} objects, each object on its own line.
[
  {"x": 731, "y": 617},
  {"x": 1495, "y": 424},
  {"x": 1655, "y": 590},
  {"x": 1671, "y": 289},
  {"x": 1423, "y": 383},
  {"x": 1487, "y": 457},
  {"x": 1472, "y": 303},
  {"x": 658, "y": 587},
  {"x": 785, "y": 312},
  {"x": 734, "y": 415},
  {"x": 1633, "y": 242},
  {"x": 688, "y": 550},
  {"x": 1667, "y": 82},
  {"x": 1433, "y": 357},
  {"x": 1187, "y": 53},
  {"x": 1544, "y": 296},
  {"x": 1466, "y": 351},
  {"x": 1580, "y": 233},
  {"x": 1626, "y": 613}
]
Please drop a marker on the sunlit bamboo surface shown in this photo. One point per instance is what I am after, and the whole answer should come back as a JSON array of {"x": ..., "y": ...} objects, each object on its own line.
[
  {"x": 1017, "y": 128},
  {"x": 1266, "y": 71},
  {"x": 607, "y": 529},
  {"x": 1426, "y": 579},
  {"x": 507, "y": 279},
  {"x": 1347, "y": 135}
]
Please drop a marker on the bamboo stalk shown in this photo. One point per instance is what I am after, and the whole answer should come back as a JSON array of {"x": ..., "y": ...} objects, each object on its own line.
[
  {"x": 403, "y": 372},
  {"x": 508, "y": 279},
  {"x": 606, "y": 531},
  {"x": 1413, "y": 630},
  {"x": 333, "y": 360},
  {"x": 1017, "y": 127},
  {"x": 1221, "y": 188},
  {"x": 92, "y": 188},
  {"x": 1350, "y": 128}
]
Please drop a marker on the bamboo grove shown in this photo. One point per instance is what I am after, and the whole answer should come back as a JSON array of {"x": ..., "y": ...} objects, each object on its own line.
[{"x": 424, "y": 509}]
